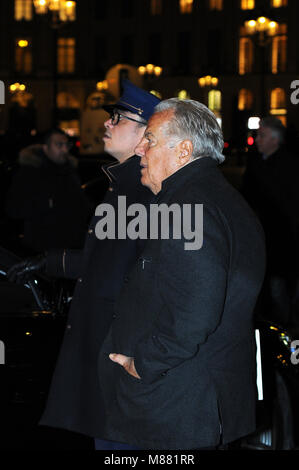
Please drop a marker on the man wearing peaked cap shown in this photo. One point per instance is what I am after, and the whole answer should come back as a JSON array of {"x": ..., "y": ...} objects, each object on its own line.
[
  {"x": 135, "y": 100},
  {"x": 75, "y": 402}
]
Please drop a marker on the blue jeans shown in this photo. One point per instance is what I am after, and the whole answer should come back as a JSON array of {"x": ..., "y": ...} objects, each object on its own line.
[{"x": 101, "y": 444}]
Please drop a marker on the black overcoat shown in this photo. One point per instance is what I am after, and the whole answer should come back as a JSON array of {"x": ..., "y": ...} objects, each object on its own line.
[
  {"x": 75, "y": 402},
  {"x": 49, "y": 200},
  {"x": 186, "y": 316}
]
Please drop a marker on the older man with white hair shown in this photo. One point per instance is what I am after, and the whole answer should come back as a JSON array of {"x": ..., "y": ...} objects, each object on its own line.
[{"x": 178, "y": 365}]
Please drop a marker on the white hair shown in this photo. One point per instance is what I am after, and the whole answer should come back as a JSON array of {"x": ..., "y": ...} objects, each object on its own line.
[{"x": 194, "y": 121}]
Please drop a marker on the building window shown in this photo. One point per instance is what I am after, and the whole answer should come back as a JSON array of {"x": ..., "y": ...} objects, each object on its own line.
[
  {"x": 186, "y": 6},
  {"x": 278, "y": 3},
  {"x": 245, "y": 99},
  {"x": 279, "y": 53},
  {"x": 66, "y": 49},
  {"x": 156, "y": 93},
  {"x": 23, "y": 10},
  {"x": 215, "y": 4},
  {"x": 183, "y": 94},
  {"x": 247, "y": 4},
  {"x": 23, "y": 56},
  {"x": 278, "y": 104},
  {"x": 214, "y": 100},
  {"x": 214, "y": 104},
  {"x": 245, "y": 55},
  {"x": 156, "y": 7}
]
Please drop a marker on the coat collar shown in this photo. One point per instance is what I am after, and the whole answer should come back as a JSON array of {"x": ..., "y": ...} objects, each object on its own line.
[
  {"x": 200, "y": 167},
  {"x": 128, "y": 170}
]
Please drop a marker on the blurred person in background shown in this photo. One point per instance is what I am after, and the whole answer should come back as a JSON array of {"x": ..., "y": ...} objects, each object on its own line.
[
  {"x": 270, "y": 185},
  {"x": 46, "y": 195}
]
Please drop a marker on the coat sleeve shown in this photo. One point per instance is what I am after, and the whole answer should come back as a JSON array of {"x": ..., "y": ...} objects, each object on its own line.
[
  {"x": 64, "y": 263},
  {"x": 192, "y": 289}
]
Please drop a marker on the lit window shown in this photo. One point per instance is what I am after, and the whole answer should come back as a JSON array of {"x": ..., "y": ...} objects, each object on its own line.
[
  {"x": 67, "y": 11},
  {"x": 278, "y": 104},
  {"x": 183, "y": 95},
  {"x": 247, "y": 4},
  {"x": 156, "y": 93},
  {"x": 66, "y": 48},
  {"x": 23, "y": 56},
  {"x": 23, "y": 10},
  {"x": 245, "y": 55},
  {"x": 186, "y": 6},
  {"x": 214, "y": 101},
  {"x": 278, "y": 3},
  {"x": 216, "y": 4},
  {"x": 279, "y": 54},
  {"x": 156, "y": 7},
  {"x": 245, "y": 99}
]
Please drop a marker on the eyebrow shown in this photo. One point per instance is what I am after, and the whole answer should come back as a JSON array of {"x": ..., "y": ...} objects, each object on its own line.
[{"x": 148, "y": 133}]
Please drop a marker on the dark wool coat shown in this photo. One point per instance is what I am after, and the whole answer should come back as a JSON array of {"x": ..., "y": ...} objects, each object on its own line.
[
  {"x": 75, "y": 401},
  {"x": 186, "y": 317},
  {"x": 48, "y": 198}
]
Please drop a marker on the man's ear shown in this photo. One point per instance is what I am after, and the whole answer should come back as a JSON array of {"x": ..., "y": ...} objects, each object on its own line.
[{"x": 185, "y": 152}]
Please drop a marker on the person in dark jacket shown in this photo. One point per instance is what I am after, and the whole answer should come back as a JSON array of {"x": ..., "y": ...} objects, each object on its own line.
[
  {"x": 46, "y": 195},
  {"x": 75, "y": 401},
  {"x": 178, "y": 367},
  {"x": 270, "y": 186}
]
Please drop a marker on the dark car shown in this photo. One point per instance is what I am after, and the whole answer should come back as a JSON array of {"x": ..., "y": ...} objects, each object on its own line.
[{"x": 32, "y": 322}]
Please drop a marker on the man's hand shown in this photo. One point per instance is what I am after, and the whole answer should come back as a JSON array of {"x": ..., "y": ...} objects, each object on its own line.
[{"x": 126, "y": 362}]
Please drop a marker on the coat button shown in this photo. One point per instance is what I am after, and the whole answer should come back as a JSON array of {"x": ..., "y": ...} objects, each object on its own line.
[
  {"x": 80, "y": 279},
  {"x": 68, "y": 327},
  {"x": 126, "y": 279}
]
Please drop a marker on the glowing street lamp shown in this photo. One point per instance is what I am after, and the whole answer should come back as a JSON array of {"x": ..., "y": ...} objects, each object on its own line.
[
  {"x": 262, "y": 26},
  {"x": 208, "y": 81},
  {"x": 150, "y": 69},
  {"x": 263, "y": 29},
  {"x": 61, "y": 10}
]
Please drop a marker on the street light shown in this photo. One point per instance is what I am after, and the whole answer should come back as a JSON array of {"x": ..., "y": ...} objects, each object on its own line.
[
  {"x": 208, "y": 81},
  {"x": 61, "y": 12},
  {"x": 150, "y": 69},
  {"x": 263, "y": 29}
]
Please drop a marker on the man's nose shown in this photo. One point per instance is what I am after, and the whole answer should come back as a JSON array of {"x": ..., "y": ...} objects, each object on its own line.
[{"x": 108, "y": 123}]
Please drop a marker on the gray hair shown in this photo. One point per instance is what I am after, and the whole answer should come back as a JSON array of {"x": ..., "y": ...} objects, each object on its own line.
[
  {"x": 193, "y": 120},
  {"x": 276, "y": 126}
]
